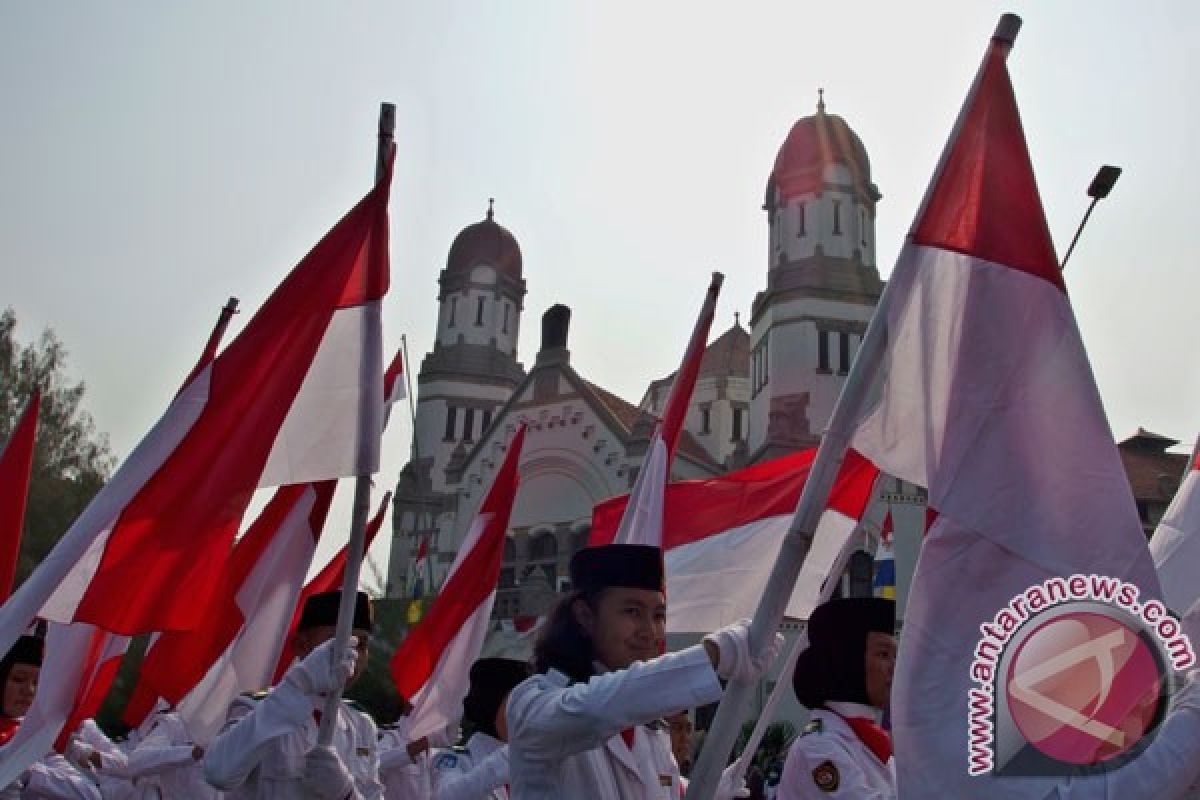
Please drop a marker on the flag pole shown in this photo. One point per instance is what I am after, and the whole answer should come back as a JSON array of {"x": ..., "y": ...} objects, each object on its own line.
[
  {"x": 830, "y": 454},
  {"x": 362, "y": 491}
]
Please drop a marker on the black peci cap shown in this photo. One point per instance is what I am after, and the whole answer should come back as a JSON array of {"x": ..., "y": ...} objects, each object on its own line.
[
  {"x": 491, "y": 681},
  {"x": 834, "y": 665},
  {"x": 322, "y": 609},
  {"x": 630, "y": 566}
]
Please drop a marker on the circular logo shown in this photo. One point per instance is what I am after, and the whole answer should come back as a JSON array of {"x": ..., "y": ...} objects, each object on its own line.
[{"x": 1084, "y": 687}]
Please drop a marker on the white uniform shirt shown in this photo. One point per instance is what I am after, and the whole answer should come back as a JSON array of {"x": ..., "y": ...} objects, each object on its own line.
[
  {"x": 565, "y": 742},
  {"x": 55, "y": 778},
  {"x": 457, "y": 775},
  {"x": 828, "y": 761},
  {"x": 162, "y": 762},
  {"x": 403, "y": 778},
  {"x": 261, "y": 752}
]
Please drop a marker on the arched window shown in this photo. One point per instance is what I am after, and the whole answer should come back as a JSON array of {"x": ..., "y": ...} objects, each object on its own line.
[
  {"x": 544, "y": 548},
  {"x": 510, "y": 549}
]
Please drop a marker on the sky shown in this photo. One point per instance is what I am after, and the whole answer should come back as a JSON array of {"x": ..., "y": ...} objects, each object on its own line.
[{"x": 160, "y": 157}]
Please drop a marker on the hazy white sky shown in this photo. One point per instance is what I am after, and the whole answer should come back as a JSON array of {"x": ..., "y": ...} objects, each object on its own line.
[{"x": 159, "y": 157}]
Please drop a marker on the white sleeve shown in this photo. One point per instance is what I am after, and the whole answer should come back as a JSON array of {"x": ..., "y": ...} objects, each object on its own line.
[
  {"x": 819, "y": 766},
  {"x": 53, "y": 778},
  {"x": 549, "y": 722},
  {"x": 157, "y": 753},
  {"x": 453, "y": 784},
  {"x": 248, "y": 735},
  {"x": 111, "y": 757}
]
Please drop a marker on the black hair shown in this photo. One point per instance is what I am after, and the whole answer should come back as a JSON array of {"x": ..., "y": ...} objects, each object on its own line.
[{"x": 563, "y": 644}]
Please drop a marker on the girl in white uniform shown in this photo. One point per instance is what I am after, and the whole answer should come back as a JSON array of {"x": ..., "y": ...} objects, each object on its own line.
[{"x": 578, "y": 729}]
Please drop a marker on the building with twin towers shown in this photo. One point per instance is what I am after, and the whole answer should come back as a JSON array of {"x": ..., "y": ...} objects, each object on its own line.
[{"x": 761, "y": 392}]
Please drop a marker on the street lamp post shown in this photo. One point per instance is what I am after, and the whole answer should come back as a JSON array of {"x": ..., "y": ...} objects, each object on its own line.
[{"x": 1102, "y": 184}]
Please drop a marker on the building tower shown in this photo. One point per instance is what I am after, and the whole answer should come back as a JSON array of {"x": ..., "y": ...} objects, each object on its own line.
[
  {"x": 471, "y": 372},
  {"x": 822, "y": 283}
]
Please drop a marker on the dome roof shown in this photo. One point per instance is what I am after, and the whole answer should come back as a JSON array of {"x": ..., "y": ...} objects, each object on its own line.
[
  {"x": 485, "y": 244},
  {"x": 813, "y": 144}
]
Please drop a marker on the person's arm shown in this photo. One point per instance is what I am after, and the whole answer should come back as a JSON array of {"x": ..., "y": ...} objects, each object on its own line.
[
  {"x": 53, "y": 778},
  {"x": 158, "y": 753},
  {"x": 555, "y": 722},
  {"x": 240, "y": 748},
  {"x": 820, "y": 766},
  {"x": 452, "y": 784}
]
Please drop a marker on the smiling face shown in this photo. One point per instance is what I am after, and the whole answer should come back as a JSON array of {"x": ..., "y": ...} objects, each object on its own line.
[
  {"x": 880, "y": 666},
  {"x": 19, "y": 689},
  {"x": 625, "y": 625}
]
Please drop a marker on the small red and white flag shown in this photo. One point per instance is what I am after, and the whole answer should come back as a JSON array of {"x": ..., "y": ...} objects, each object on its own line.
[
  {"x": 1175, "y": 545},
  {"x": 987, "y": 399},
  {"x": 296, "y": 397},
  {"x": 329, "y": 579},
  {"x": 721, "y": 537},
  {"x": 431, "y": 667},
  {"x": 642, "y": 518},
  {"x": 16, "y": 467}
]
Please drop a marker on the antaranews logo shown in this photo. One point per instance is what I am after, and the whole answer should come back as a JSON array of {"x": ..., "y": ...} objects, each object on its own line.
[{"x": 1072, "y": 678}]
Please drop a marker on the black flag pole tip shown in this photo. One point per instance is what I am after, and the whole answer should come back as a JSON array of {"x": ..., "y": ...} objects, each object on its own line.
[
  {"x": 387, "y": 118},
  {"x": 1007, "y": 29}
]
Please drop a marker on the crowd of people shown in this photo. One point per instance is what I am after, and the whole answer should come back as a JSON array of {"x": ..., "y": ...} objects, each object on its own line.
[{"x": 600, "y": 713}]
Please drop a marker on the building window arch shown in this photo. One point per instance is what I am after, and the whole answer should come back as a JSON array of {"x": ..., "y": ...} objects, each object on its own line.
[
  {"x": 837, "y": 217},
  {"x": 543, "y": 548}
]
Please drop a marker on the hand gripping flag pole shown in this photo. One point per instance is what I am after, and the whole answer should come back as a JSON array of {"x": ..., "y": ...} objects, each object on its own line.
[
  {"x": 362, "y": 484},
  {"x": 720, "y": 739}
]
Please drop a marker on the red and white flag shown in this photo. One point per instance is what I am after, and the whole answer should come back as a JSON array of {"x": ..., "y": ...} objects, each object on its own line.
[
  {"x": 988, "y": 400},
  {"x": 721, "y": 537},
  {"x": 329, "y": 579},
  {"x": 1175, "y": 545},
  {"x": 431, "y": 667},
  {"x": 201, "y": 671},
  {"x": 16, "y": 466},
  {"x": 296, "y": 397},
  {"x": 642, "y": 520}
]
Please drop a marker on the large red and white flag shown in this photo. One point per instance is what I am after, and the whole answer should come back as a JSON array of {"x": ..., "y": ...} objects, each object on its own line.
[
  {"x": 201, "y": 671},
  {"x": 16, "y": 466},
  {"x": 296, "y": 397},
  {"x": 1175, "y": 544},
  {"x": 329, "y": 579},
  {"x": 431, "y": 667},
  {"x": 642, "y": 520},
  {"x": 988, "y": 400},
  {"x": 721, "y": 537}
]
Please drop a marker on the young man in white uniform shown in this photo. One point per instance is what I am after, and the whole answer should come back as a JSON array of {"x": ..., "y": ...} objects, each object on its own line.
[{"x": 268, "y": 749}]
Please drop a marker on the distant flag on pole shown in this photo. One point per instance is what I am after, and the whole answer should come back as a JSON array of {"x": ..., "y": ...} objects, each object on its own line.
[
  {"x": 16, "y": 469},
  {"x": 987, "y": 399},
  {"x": 884, "y": 583},
  {"x": 642, "y": 521},
  {"x": 721, "y": 537},
  {"x": 420, "y": 566},
  {"x": 286, "y": 402},
  {"x": 393, "y": 380},
  {"x": 431, "y": 666}
]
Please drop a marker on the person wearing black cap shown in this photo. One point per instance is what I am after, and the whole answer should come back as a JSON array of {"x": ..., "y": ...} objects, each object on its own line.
[
  {"x": 845, "y": 679},
  {"x": 52, "y": 776},
  {"x": 581, "y": 727},
  {"x": 480, "y": 770},
  {"x": 268, "y": 747}
]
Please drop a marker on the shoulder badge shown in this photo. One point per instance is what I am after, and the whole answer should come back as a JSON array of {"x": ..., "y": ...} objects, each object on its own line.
[
  {"x": 815, "y": 725},
  {"x": 826, "y": 777},
  {"x": 445, "y": 761},
  {"x": 256, "y": 695}
]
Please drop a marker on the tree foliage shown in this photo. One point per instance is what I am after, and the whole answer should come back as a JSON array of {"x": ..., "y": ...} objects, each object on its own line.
[{"x": 71, "y": 460}]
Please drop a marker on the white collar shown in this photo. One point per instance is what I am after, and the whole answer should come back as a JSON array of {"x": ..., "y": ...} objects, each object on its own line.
[{"x": 853, "y": 710}]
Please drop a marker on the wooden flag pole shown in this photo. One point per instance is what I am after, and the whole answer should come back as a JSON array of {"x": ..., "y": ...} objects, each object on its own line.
[
  {"x": 362, "y": 492},
  {"x": 832, "y": 451}
]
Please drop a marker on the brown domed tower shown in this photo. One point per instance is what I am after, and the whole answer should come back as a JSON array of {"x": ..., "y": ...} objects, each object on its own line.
[
  {"x": 470, "y": 373},
  {"x": 822, "y": 282}
]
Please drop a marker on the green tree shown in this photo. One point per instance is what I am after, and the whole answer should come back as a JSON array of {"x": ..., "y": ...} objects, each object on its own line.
[{"x": 71, "y": 460}]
